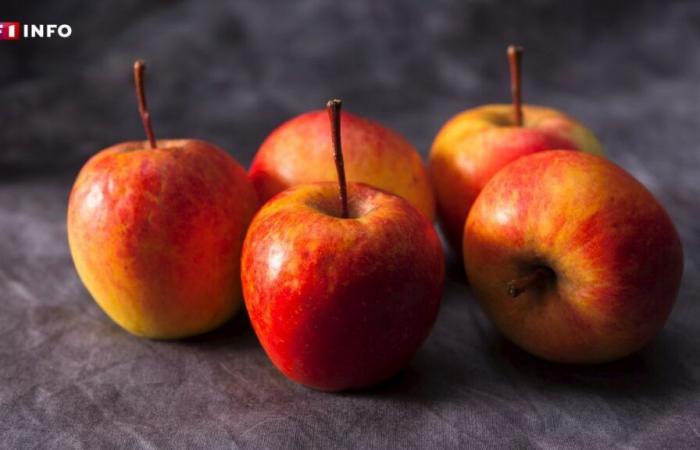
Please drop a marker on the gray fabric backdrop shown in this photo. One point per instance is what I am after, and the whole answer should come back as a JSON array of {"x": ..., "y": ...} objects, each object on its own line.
[{"x": 228, "y": 72}]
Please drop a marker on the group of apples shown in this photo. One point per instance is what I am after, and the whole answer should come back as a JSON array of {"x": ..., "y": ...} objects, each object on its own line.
[{"x": 569, "y": 255}]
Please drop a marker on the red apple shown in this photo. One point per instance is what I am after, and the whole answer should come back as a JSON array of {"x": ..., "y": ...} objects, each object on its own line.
[
  {"x": 572, "y": 258},
  {"x": 341, "y": 289},
  {"x": 297, "y": 152},
  {"x": 155, "y": 230},
  {"x": 474, "y": 145}
]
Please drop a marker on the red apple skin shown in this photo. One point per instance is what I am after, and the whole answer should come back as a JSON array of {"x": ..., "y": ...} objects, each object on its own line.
[
  {"x": 341, "y": 303},
  {"x": 475, "y": 144},
  {"x": 616, "y": 256},
  {"x": 299, "y": 151},
  {"x": 156, "y": 235}
]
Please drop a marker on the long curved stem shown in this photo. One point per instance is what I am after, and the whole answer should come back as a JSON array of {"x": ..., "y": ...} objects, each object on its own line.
[
  {"x": 515, "y": 55},
  {"x": 139, "y": 68},
  {"x": 334, "y": 106}
]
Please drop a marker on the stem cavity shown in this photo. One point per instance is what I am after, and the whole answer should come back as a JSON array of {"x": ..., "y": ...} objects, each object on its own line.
[{"x": 536, "y": 277}]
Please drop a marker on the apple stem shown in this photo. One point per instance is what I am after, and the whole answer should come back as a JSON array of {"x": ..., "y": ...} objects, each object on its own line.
[
  {"x": 515, "y": 55},
  {"x": 139, "y": 68},
  {"x": 334, "y": 106},
  {"x": 519, "y": 285}
]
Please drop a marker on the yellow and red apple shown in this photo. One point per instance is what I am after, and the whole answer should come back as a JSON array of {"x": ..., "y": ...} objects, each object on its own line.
[
  {"x": 298, "y": 152},
  {"x": 572, "y": 258},
  {"x": 341, "y": 303},
  {"x": 474, "y": 145},
  {"x": 156, "y": 228}
]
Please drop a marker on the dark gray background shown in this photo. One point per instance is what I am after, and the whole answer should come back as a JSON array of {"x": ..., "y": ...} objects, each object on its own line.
[{"x": 228, "y": 72}]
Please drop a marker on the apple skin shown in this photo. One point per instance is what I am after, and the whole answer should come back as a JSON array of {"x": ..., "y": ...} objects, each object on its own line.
[
  {"x": 341, "y": 303},
  {"x": 615, "y": 253},
  {"x": 475, "y": 144},
  {"x": 156, "y": 235},
  {"x": 299, "y": 151}
]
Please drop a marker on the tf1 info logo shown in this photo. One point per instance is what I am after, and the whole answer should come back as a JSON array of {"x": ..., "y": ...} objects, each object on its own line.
[{"x": 12, "y": 31}]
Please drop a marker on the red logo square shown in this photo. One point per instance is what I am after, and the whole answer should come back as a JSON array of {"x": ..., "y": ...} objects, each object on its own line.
[{"x": 10, "y": 31}]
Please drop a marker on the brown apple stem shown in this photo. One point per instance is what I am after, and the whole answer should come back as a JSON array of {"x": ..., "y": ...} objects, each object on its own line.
[
  {"x": 334, "y": 107},
  {"x": 515, "y": 55},
  {"x": 519, "y": 285},
  {"x": 139, "y": 68}
]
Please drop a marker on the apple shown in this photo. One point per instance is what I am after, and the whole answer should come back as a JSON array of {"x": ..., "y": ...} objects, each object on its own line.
[
  {"x": 341, "y": 285},
  {"x": 572, "y": 258},
  {"x": 474, "y": 145},
  {"x": 155, "y": 230},
  {"x": 297, "y": 152}
]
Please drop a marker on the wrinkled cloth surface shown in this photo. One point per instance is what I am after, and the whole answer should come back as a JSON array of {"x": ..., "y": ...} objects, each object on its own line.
[{"x": 229, "y": 72}]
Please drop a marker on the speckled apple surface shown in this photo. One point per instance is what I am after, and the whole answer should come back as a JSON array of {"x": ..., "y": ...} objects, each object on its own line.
[{"x": 70, "y": 377}]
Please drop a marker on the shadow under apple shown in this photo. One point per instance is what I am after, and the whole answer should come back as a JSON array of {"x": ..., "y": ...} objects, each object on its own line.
[
  {"x": 236, "y": 333},
  {"x": 654, "y": 371},
  {"x": 442, "y": 373}
]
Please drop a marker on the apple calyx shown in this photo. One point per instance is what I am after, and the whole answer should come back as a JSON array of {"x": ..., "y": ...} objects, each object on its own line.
[
  {"x": 536, "y": 277},
  {"x": 515, "y": 55},
  {"x": 139, "y": 69},
  {"x": 334, "y": 106}
]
